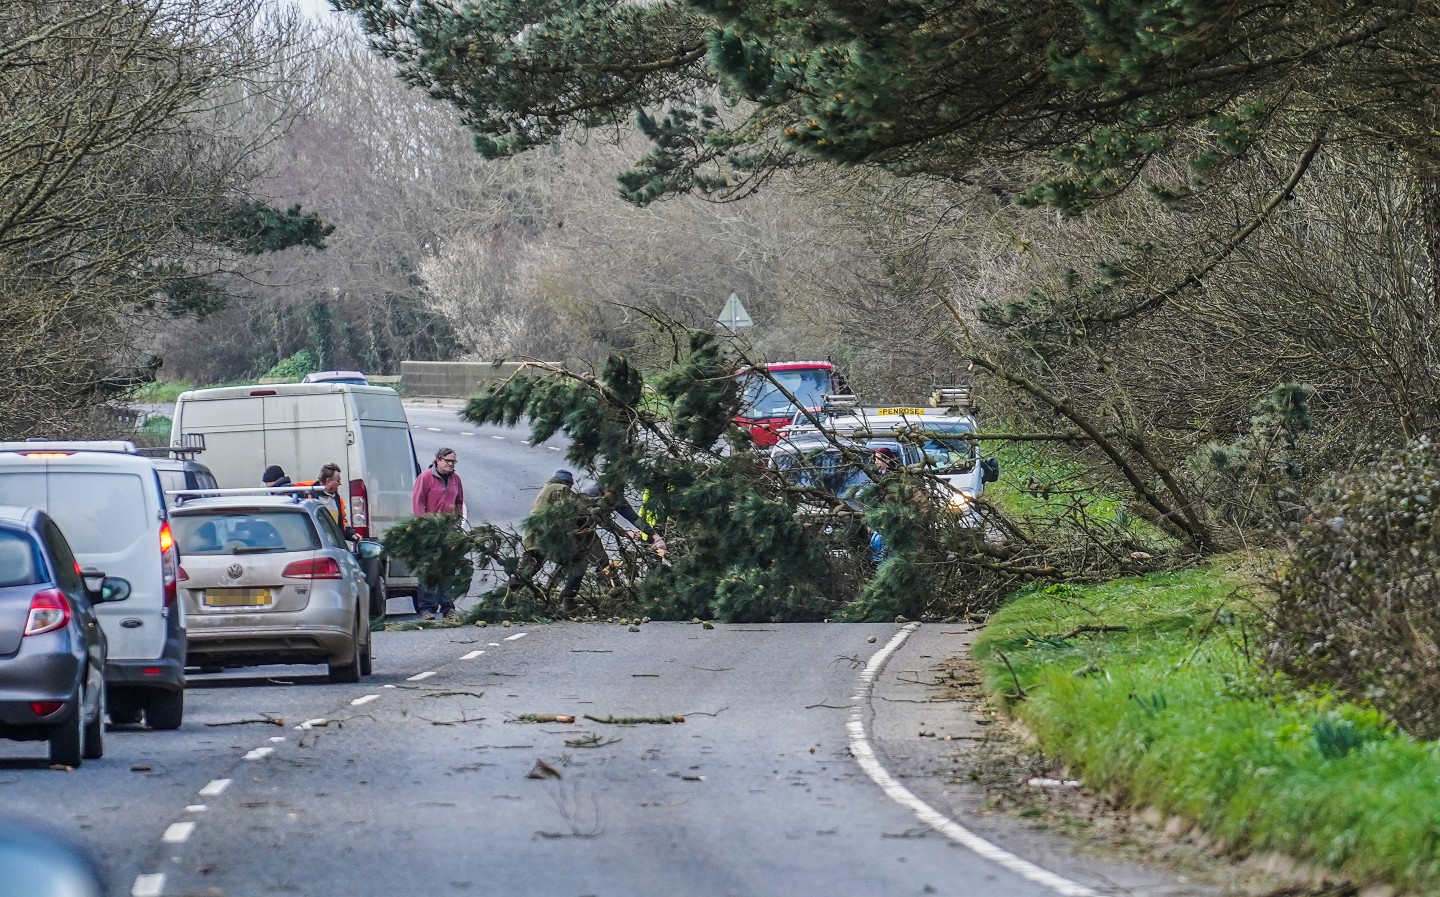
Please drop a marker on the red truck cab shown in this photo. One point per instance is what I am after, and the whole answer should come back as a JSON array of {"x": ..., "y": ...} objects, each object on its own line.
[{"x": 764, "y": 408}]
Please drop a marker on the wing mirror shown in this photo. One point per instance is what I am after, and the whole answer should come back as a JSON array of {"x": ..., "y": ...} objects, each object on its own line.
[
  {"x": 104, "y": 588},
  {"x": 989, "y": 470},
  {"x": 370, "y": 549}
]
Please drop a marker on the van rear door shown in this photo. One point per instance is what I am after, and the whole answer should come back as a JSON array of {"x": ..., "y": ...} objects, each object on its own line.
[{"x": 111, "y": 526}]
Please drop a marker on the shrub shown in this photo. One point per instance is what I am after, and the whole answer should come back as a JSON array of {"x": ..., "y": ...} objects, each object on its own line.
[
  {"x": 1359, "y": 603},
  {"x": 295, "y": 367}
]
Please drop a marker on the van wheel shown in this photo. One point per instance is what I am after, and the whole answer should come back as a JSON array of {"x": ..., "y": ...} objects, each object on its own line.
[
  {"x": 349, "y": 672},
  {"x": 95, "y": 731},
  {"x": 124, "y": 709},
  {"x": 379, "y": 598},
  {"x": 165, "y": 709},
  {"x": 67, "y": 740}
]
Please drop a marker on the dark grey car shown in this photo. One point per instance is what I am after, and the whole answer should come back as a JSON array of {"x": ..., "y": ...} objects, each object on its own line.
[{"x": 52, "y": 650}]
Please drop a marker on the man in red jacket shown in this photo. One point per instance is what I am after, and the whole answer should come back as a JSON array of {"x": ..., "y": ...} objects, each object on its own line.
[{"x": 438, "y": 490}]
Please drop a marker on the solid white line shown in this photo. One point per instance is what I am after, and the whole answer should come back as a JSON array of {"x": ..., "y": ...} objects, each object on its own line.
[
  {"x": 418, "y": 676},
  {"x": 511, "y": 638},
  {"x": 259, "y": 754},
  {"x": 363, "y": 700},
  {"x": 178, "y": 833},
  {"x": 149, "y": 885},
  {"x": 865, "y": 756},
  {"x": 472, "y": 655},
  {"x": 215, "y": 788}
]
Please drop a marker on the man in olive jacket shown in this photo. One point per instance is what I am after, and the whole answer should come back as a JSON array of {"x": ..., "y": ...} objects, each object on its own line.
[{"x": 589, "y": 550}]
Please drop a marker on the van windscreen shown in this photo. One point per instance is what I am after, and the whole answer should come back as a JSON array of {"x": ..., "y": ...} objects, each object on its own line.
[{"x": 100, "y": 513}]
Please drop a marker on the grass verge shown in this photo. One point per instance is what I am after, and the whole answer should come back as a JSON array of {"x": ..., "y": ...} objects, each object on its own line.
[{"x": 1174, "y": 711}]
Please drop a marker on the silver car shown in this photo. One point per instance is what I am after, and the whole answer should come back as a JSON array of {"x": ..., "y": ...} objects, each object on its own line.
[{"x": 271, "y": 579}]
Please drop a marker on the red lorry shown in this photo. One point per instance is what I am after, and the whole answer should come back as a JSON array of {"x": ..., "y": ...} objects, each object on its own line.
[{"x": 764, "y": 408}]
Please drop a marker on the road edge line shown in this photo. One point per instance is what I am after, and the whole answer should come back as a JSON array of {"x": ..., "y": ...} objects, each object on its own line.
[{"x": 865, "y": 757}]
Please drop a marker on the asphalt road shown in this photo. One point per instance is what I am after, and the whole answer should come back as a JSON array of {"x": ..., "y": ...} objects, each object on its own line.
[{"x": 799, "y": 767}]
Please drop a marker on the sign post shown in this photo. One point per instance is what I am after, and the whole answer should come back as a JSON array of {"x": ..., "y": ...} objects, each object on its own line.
[{"x": 734, "y": 315}]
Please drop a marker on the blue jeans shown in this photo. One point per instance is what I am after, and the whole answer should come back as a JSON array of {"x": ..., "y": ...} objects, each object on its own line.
[{"x": 430, "y": 602}]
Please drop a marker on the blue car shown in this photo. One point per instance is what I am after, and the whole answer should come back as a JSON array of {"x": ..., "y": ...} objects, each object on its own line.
[{"x": 52, "y": 650}]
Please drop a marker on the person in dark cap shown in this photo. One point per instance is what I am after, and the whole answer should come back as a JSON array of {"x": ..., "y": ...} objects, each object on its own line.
[
  {"x": 274, "y": 477},
  {"x": 589, "y": 550}
]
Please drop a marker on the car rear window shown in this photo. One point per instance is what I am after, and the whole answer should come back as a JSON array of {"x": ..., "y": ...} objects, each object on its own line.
[
  {"x": 100, "y": 513},
  {"x": 244, "y": 532},
  {"x": 19, "y": 560}
]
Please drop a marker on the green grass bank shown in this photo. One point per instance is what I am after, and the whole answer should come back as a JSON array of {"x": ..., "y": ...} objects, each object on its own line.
[{"x": 1151, "y": 689}]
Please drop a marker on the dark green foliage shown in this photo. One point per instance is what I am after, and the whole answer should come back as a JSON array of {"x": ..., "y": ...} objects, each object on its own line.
[
  {"x": 253, "y": 227},
  {"x": 1359, "y": 602},
  {"x": 295, "y": 367},
  {"x": 437, "y": 548}
]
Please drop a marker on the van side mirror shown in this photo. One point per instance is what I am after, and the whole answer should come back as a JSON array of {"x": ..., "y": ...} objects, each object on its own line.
[
  {"x": 370, "y": 549},
  {"x": 989, "y": 470},
  {"x": 114, "y": 588}
]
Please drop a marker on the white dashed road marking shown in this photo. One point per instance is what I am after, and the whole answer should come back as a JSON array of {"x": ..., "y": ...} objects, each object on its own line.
[
  {"x": 418, "y": 676},
  {"x": 511, "y": 638},
  {"x": 150, "y": 885},
  {"x": 463, "y": 433},
  {"x": 259, "y": 753},
  {"x": 196, "y": 808},
  {"x": 435, "y": 429},
  {"x": 496, "y": 437},
  {"x": 472, "y": 655},
  {"x": 215, "y": 788},
  {"x": 865, "y": 756},
  {"x": 178, "y": 833},
  {"x": 363, "y": 700},
  {"x": 553, "y": 448},
  {"x": 312, "y": 723}
]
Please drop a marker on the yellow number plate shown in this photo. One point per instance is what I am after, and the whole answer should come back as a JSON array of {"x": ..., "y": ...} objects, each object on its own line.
[
  {"x": 907, "y": 411},
  {"x": 237, "y": 598}
]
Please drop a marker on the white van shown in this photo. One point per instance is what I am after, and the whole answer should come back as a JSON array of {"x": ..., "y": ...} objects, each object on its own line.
[
  {"x": 302, "y": 427},
  {"x": 108, "y": 501}
]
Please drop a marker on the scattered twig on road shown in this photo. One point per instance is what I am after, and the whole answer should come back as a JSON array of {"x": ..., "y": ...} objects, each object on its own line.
[
  {"x": 453, "y": 722},
  {"x": 590, "y": 740},
  {"x": 830, "y": 706},
  {"x": 635, "y": 720},
  {"x": 543, "y": 770},
  {"x": 447, "y": 694},
  {"x": 855, "y": 661},
  {"x": 541, "y": 718},
  {"x": 703, "y": 713},
  {"x": 591, "y": 651},
  {"x": 713, "y": 669},
  {"x": 645, "y": 675},
  {"x": 267, "y": 719}
]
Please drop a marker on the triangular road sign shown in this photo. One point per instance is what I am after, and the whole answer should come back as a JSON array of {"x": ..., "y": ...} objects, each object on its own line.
[{"x": 734, "y": 315}]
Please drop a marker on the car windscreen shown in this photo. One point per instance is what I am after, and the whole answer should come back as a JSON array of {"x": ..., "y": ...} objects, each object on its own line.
[
  {"x": 19, "y": 560},
  {"x": 946, "y": 455},
  {"x": 763, "y": 399},
  {"x": 100, "y": 513},
  {"x": 244, "y": 531}
]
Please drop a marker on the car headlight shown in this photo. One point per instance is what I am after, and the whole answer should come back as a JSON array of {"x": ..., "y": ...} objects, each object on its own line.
[{"x": 960, "y": 501}]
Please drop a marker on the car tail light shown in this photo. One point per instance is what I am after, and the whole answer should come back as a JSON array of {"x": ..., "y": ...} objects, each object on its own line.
[
  {"x": 169, "y": 565},
  {"x": 359, "y": 508},
  {"x": 48, "y": 611},
  {"x": 315, "y": 568},
  {"x": 45, "y": 708}
]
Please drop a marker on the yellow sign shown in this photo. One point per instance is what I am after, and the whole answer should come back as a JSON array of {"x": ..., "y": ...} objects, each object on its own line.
[{"x": 900, "y": 411}]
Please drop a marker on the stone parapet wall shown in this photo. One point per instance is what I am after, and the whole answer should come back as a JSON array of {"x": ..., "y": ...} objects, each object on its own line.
[{"x": 453, "y": 379}]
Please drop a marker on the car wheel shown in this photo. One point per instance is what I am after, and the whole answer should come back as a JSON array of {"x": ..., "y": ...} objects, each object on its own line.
[
  {"x": 349, "y": 672},
  {"x": 367, "y": 665},
  {"x": 165, "y": 709},
  {"x": 67, "y": 740},
  {"x": 95, "y": 730},
  {"x": 379, "y": 598},
  {"x": 124, "y": 709}
]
